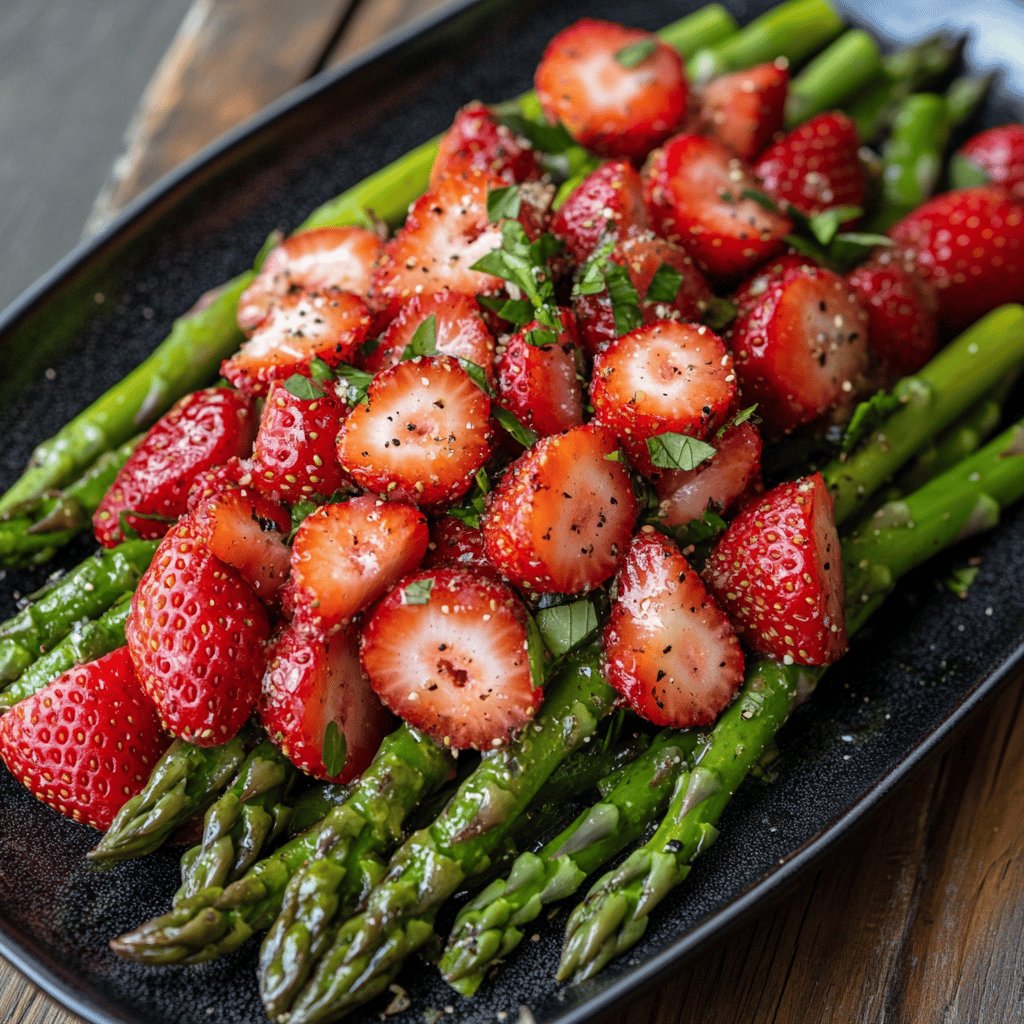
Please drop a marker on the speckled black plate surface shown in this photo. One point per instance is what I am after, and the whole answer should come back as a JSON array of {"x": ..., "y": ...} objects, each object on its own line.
[{"x": 912, "y": 679}]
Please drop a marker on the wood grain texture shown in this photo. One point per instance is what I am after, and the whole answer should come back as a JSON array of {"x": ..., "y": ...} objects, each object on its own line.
[{"x": 374, "y": 19}]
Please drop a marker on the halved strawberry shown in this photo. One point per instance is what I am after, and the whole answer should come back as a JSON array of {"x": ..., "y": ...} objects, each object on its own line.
[
  {"x": 903, "y": 332},
  {"x": 446, "y": 650},
  {"x": 816, "y": 166},
  {"x": 665, "y": 377},
  {"x": 317, "y": 704},
  {"x": 85, "y": 743},
  {"x": 196, "y": 633},
  {"x": 995, "y": 156},
  {"x": 746, "y": 109},
  {"x": 476, "y": 141},
  {"x": 716, "y": 485},
  {"x": 201, "y": 431},
  {"x": 233, "y": 473},
  {"x": 695, "y": 193},
  {"x": 777, "y": 571},
  {"x": 802, "y": 348},
  {"x": 300, "y": 327},
  {"x": 749, "y": 293},
  {"x": 559, "y": 520},
  {"x": 459, "y": 331},
  {"x": 969, "y": 246},
  {"x": 422, "y": 434},
  {"x": 668, "y": 648},
  {"x": 294, "y": 456},
  {"x": 345, "y": 556},
  {"x": 311, "y": 261},
  {"x": 455, "y": 544},
  {"x": 540, "y": 384},
  {"x": 608, "y": 203},
  {"x": 619, "y": 91},
  {"x": 643, "y": 255}
]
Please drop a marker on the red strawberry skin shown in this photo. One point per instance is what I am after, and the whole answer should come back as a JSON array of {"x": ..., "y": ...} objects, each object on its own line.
[
  {"x": 969, "y": 246},
  {"x": 999, "y": 154},
  {"x": 85, "y": 743},
  {"x": 745, "y": 110},
  {"x": 313, "y": 680},
  {"x": 196, "y": 634},
  {"x": 211, "y": 482},
  {"x": 203, "y": 430},
  {"x": 454, "y": 544},
  {"x": 669, "y": 649},
  {"x": 777, "y": 571},
  {"x": 476, "y": 141}
]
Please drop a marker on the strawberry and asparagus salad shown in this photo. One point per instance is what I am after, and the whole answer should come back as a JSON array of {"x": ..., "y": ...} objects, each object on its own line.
[{"x": 549, "y": 467}]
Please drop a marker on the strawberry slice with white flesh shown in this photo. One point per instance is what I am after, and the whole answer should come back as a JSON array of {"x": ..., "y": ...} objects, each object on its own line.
[
  {"x": 746, "y": 109},
  {"x": 318, "y": 707},
  {"x": 777, "y": 571},
  {"x": 477, "y": 141},
  {"x": 559, "y": 520},
  {"x": 422, "y": 434},
  {"x": 668, "y": 648},
  {"x": 447, "y": 651},
  {"x": 346, "y": 555}
]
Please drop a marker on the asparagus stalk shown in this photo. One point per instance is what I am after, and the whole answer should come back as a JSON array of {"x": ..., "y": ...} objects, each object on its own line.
[
  {"x": 314, "y": 804},
  {"x": 351, "y": 839},
  {"x": 840, "y": 71}
]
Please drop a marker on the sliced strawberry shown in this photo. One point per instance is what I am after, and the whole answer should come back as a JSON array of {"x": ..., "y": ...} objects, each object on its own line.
[
  {"x": 995, "y": 156},
  {"x": 643, "y": 255},
  {"x": 422, "y": 435},
  {"x": 477, "y": 142},
  {"x": 196, "y": 633},
  {"x": 802, "y": 349},
  {"x": 560, "y": 519},
  {"x": 446, "y": 650},
  {"x": 777, "y": 571},
  {"x": 459, "y": 331},
  {"x": 345, "y": 556},
  {"x": 454, "y": 544},
  {"x": 302, "y": 326},
  {"x": 201, "y": 431},
  {"x": 668, "y": 648},
  {"x": 666, "y": 377},
  {"x": 318, "y": 707},
  {"x": 749, "y": 293},
  {"x": 969, "y": 246},
  {"x": 716, "y": 485},
  {"x": 746, "y": 109},
  {"x": 695, "y": 193},
  {"x": 540, "y": 384},
  {"x": 311, "y": 261},
  {"x": 903, "y": 333},
  {"x": 294, "y": 457},
  {"x": 619, "y": 91},
  {"x": 816, "y": 166},
  {"x": 609, "y": 203},
  {"x": 208, "y": 484}
]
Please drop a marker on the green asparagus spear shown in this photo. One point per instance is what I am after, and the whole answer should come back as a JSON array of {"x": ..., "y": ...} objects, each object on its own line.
[
  {"x": 352, "y": 838},
  {"x": 840, "y": 71},
  {"x": 314, "y": 804}
]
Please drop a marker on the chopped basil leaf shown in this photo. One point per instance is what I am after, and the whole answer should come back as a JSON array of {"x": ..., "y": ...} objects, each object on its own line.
[
  {"x": 867, "y": 416},
  {"x": 424, "y": 339},
  {"x": 825, "y": 225},
  {"x": 965, "y": 173},
  {"x": 300, "y": 510},
  {"x": 960, "y": 580},
  {"x": 547, "y": 137},
  {"x": 335, "y": 749},
  {"x": 636, "y": 53},
  {"x": 302, "y": 387},
  {"x": 320, "y": 371},
  {"x": 511, "y": 425},
  {"x": 615, "y": 456},
  {"x": 565, "y": 626},
  {"x": 719, "y": 314},
  {"x": 709, "y": 525},
  {"x": 516, "y": 311},
  {"x": 678, "y": 451},
  {"x": 744, "y": 414},
  {"x": 477, "y": 374},
  {"x": 418, "y": 592},
  {"x": 759, "y": 197},
  {"x": 664, "y": 286},
  {"x": 502, "y": 203},
  {"x": 356, "y": 382}
]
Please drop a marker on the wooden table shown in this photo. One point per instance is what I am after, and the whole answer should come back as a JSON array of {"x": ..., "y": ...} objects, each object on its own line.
[{"x": 918, "y": 917}]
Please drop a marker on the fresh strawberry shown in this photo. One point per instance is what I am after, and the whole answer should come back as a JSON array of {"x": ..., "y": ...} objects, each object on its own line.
[
  {"x": 233, "y": 473},
  {"x": 619, "y": 91},
  {"x": 345, "y": 556},
  {"x": 745, "y": 110},
  {"x": 643, "y": 255},
  {"x": 995, "y": 156},
  {"x": 201, "y": 431},
  {"x": 802, "y": 348},
  {"x": 608, "y": 203},
  {"x": 539, "y": 384},
  {"x": 459, "y": 331},
  {"x": 666, "y": 377},
  {"x": 52, "y": 742},
  {"x": 969, "y": 246},
  {"x": 196, "y": 633},
  {"x": 695, "y": 193},
  {"x": 559, "y": 520},
  {"x": 903, "y": 333},
  {"x": 457, "y": 545},
  {"x": 777, "y": 571},
  {"x": 294, "y": 456},
  {"x": 317, "y": 704},
  {"x": 447, "y": 651},
  {"x": 668, "y": 648},
  {"x": 422, "y": 435},
  {"x": 311, "y": 261},
  {"x": 816, "y": 166},
  {"x": 716, "y": 485},
  {"x": 749, "y": 293},
  {"x": 300, "y": 327},
  {"x": 476, "y": 141}
]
